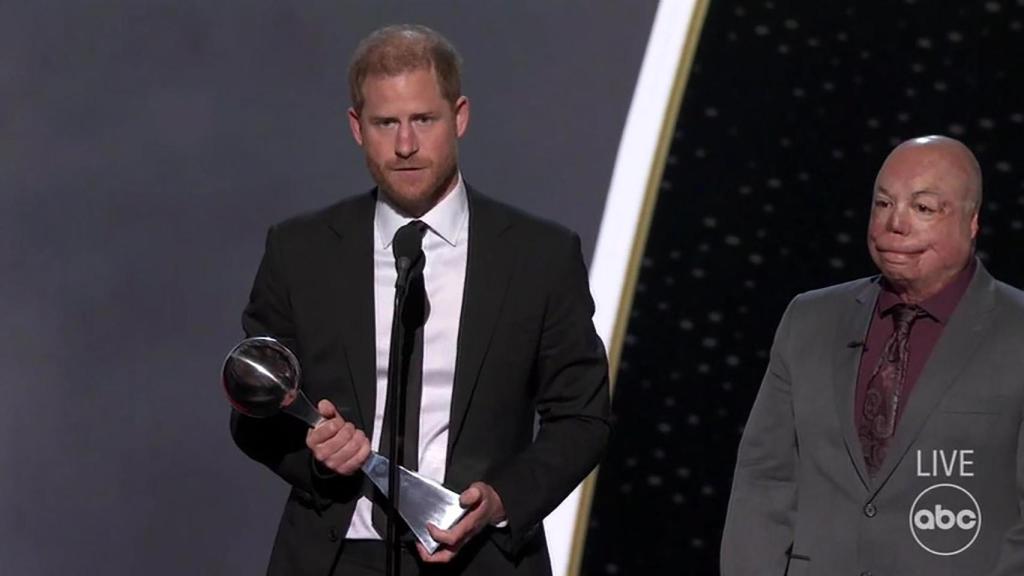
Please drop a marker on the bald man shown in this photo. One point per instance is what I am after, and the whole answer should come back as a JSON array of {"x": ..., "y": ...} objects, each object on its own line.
[{"x": 886, "y": 438}]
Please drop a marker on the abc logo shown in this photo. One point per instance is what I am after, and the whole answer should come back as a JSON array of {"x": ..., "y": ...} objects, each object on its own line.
[{"x": 945, "y": 519}]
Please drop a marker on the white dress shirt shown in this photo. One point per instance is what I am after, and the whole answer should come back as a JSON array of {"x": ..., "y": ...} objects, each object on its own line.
[{"x": 444, "y": 276}]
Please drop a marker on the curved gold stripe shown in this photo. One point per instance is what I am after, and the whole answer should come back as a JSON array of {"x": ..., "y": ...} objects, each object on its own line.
[{"x": 643, "y": 228}]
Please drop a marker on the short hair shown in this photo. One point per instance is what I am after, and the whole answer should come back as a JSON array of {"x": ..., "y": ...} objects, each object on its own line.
[{"x": 394, "y": 50}]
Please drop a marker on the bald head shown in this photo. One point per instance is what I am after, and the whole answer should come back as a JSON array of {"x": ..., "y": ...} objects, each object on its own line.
[
  {"x": 946, "y": 155},
  {"x": 924, "y": 215}
]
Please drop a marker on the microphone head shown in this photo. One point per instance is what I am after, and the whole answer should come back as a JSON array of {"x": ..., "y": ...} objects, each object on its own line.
[
  {"x": 407, "y": 246},
  {"x": 408, "y": 241}
]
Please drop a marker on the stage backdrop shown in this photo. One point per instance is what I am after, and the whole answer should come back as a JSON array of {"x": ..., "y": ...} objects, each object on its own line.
[
  {"x": 790, "y": 109},
  {"x": 145, "y": 147}
]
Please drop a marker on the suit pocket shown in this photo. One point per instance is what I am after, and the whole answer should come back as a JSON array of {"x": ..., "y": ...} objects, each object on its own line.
[
  {"x": 798, "y": 565},
  {"x": 303, "y": 498}
]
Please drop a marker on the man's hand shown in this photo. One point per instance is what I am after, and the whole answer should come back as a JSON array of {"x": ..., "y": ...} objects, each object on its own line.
[
  {"x": 484, "y": 509},
  {"x": 336, "y": 443}
]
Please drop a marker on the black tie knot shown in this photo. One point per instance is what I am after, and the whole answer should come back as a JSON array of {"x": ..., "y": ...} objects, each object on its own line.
[
  {"x": 408, "y": 250},
  {"x": 409, "y": 239}
]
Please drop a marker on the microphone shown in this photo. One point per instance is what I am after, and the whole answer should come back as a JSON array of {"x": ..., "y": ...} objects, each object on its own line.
[
  {"x": 402, "y": 265},
  {"x": 408, "y": 251}
]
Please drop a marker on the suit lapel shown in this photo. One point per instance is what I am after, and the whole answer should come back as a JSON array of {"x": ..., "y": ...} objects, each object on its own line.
[
  {"x": 353, "y": 281},
  {"x": 852, "y": 330},
  {"x": 955, "y": 348},
  {"x": 489, "y": 264}
]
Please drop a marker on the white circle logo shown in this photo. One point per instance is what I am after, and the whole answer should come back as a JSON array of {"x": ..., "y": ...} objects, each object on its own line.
[{"x": 945, "y": 519}]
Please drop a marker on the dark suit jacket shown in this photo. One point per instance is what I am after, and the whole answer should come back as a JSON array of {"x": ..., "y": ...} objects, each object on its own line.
[
  {"x": 802, "y": 501},
  {"x": 526, "y": 347}
]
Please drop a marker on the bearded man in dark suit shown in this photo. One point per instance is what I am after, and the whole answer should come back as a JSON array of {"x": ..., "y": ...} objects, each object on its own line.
[{"x": 513, "y": 407}]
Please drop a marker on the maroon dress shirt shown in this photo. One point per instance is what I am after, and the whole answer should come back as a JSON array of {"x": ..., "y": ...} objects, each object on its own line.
[{"x": 924, "y": 333}]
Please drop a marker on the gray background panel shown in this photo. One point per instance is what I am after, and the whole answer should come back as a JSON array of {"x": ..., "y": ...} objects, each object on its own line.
[{"x": 144, "y": 149}]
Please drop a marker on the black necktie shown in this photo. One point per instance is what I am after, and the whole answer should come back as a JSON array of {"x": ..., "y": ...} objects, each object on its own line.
[{"x": 407, "y": 240}]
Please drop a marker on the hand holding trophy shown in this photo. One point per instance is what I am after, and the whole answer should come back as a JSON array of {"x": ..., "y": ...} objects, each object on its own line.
[{"x": 261, "y": 377}]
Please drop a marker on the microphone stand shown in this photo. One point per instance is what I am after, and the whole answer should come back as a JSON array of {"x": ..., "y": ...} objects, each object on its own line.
[{"x": 398, "y": 380}]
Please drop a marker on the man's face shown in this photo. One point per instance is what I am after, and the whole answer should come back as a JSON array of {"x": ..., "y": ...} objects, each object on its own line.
[
  {"x": 922, "y": 226},
  {"x": 410, "y": 135}
]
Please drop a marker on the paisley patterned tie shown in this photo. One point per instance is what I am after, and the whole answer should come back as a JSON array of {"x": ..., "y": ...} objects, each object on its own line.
[{"x": 882, "y": 401}]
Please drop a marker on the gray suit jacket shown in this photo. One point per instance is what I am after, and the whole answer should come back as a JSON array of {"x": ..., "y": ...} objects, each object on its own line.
[{"x": 948, "y": 497}]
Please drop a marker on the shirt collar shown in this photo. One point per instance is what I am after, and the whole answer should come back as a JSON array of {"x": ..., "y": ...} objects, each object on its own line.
[
  {"x": 446, "y": 219},
  {"x": 941, "y": 305}
]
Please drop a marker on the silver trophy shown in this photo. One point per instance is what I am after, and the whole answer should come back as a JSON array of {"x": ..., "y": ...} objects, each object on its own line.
[{"x": 261, "y": 377}]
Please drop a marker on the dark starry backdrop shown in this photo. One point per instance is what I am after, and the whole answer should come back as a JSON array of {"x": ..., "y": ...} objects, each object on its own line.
[{"x": 791, "y": 108}]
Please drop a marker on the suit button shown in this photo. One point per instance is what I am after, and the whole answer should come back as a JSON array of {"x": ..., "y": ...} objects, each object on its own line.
[
  {"x": 870, "y": 512},
  {"x": 333, "y": 534}
]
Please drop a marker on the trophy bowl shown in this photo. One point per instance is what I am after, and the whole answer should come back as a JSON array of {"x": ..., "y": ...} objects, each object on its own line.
[{"x": 261, "y": 377}]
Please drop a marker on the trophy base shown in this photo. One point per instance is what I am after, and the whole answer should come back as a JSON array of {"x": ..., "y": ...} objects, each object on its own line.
[{"x": 422, "y": 500}]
